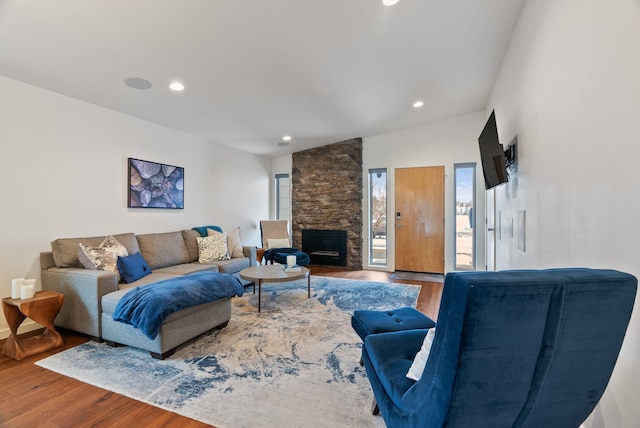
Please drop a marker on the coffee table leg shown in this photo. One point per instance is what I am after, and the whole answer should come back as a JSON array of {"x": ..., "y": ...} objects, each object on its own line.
[
  {"x": 259, "y": 293},
  {"x": 309, "y": 286}
]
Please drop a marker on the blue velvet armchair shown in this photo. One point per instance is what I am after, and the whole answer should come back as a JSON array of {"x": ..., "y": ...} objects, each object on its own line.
[{"x": 511, "y": 349}]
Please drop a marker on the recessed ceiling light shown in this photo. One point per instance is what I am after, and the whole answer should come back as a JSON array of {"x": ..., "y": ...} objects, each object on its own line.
[
  {"x": 389, "y": 2},
  {"x": 286, "y": 138},
  {"x": 137, "y": 83},
  {"x": 283, "y": 143},
  {"x": 418, "y": 104},
  {"x": 176, "y": 86}
]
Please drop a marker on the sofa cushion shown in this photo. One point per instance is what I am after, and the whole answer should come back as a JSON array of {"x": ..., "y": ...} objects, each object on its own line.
[
  {"x": 133, "y": 267},
  {"x": 212, "y": 248},
  {"x": 102, "y": 257},
  {"x": 187, "y": 268},
  {"x": 154, "y": 276},
  {"x": 65, "y": 250},
  {"x": 163, "y": 249}
]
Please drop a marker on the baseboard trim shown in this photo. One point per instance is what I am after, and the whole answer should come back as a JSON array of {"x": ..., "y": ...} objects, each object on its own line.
[{"x": 25, "y": 327}]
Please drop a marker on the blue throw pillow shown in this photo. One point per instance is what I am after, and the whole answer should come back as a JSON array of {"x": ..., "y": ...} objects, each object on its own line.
[
  {"x": 202, "y": 230},
  {"x": 133, "y": 267}
]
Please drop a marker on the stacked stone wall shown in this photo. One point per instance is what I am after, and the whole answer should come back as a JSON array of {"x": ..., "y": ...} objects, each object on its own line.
[{"x": 327, "y": 194}]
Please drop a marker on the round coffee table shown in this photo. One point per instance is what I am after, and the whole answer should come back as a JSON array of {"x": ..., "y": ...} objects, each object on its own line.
[{"x": 273, "y": 273}]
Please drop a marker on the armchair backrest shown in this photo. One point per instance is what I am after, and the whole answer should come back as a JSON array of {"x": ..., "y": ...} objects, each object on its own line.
[
  {"x": 274, "y": 229},
  {"x": 523, "y": 348}
]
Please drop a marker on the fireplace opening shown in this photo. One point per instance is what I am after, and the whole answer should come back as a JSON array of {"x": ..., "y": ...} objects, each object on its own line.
[{"x": 325, "y": 247}]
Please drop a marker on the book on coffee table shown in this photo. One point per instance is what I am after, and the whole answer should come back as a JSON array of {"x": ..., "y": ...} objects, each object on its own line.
[{"x": 295, "y": 268}]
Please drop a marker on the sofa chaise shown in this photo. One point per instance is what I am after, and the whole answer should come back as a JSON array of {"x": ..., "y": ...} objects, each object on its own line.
[{"x": 91, "y": 296}]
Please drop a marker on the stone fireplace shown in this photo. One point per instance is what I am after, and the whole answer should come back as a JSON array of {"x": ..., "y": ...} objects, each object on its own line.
[{"x": 327, "y": 196}]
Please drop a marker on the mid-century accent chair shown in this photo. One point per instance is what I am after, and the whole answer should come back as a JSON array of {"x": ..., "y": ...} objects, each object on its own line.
[
  {"x": 511, "y": 349},
  {"x": 276, "y": 243}
]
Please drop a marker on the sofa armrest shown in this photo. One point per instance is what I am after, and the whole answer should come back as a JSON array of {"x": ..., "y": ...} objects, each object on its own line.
[
  {"x": 83, "y": 290},
  {"x": 251, "y": 253}
]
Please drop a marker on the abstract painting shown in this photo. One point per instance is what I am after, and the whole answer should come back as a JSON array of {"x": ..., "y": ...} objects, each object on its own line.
[{"x": 155, "y": 185}]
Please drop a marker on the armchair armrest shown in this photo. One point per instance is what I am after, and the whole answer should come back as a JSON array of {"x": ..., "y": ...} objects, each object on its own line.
[{"x": 251, "y": 253}]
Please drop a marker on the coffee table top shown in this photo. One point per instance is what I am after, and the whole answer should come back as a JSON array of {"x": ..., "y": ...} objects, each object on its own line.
[{"x": 272, "y": 273}]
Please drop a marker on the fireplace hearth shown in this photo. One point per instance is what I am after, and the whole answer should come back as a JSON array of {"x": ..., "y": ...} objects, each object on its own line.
[{"x": 325, "y": 247}]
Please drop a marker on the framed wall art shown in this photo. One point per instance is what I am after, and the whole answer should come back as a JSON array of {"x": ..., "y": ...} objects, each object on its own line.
[{"x": 155, "y": 185}]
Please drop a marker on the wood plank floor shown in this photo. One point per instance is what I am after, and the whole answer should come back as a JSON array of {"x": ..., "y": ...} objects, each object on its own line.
[{"x": 31, "y": 396}]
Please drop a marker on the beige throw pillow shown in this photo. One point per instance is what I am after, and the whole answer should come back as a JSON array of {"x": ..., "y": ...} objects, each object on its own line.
[
  {"x": 212, "y": 248},
  {"x": 278, "y": 243},
  {"x": 234, "y": 244},
  {"x": 102, "y": 257}
]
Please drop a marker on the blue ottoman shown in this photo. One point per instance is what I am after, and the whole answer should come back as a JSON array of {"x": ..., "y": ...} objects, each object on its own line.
[
  {"x": 279, "y": 255},
  {"x": 372, "y": 322},
  {"x": 302, "y": 259}
]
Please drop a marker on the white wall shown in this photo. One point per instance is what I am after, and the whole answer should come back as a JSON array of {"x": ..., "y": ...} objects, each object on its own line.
[
  {"x": 569, "y": 88},
  {"x": 445, "y": 142},
  {"x": 64, "y": 174}
]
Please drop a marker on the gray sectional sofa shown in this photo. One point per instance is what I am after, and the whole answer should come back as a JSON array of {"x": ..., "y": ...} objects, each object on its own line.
[{"x": 90, "y": 296}]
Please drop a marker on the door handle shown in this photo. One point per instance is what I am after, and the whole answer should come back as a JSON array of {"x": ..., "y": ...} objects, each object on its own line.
[{"x": 490, "y": 229}]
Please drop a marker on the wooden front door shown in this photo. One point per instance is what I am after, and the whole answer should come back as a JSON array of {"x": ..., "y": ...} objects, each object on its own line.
[{"x": 419, "y": 219}]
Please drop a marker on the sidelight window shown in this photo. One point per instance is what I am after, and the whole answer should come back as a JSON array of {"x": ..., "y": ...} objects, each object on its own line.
[
  {"x": 378, "y": 217},
  {"x": 465, "y": 190}
]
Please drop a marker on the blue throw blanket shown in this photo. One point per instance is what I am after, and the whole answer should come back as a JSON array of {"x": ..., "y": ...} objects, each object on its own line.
[{"x": 146, "y": 307}]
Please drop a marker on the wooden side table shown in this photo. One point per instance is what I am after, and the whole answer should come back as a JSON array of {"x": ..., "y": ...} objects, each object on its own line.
[{"x": 42, "y": 308}]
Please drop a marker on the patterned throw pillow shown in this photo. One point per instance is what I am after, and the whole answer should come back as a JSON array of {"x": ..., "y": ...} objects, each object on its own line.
[
  {"x": 212, "y": 248},
  {"x": 102, "y": 257}
]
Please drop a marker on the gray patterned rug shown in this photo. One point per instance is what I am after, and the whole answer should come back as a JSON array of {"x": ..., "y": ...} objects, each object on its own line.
[{"x": 295, "y": 364}]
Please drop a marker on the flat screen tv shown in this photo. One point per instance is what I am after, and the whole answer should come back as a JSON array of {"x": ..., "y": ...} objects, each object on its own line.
[{"x": 494, "y": 166}]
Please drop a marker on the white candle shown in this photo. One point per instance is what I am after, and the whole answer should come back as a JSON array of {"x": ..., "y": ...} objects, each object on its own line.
[
  {"x": 15, "y": 287},
  {"x": 27, "y": 291},
  {"x": 291, "y": 260}
]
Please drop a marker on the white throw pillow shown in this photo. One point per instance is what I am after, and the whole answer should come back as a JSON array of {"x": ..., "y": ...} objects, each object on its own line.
[
  {"x": 278, "y": 243},
  {"x": 416, "y": 369},
  {"x": 212, "y": 248}
]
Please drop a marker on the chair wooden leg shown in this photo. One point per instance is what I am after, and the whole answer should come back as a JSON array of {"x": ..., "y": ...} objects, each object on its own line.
[{"x": 375, "y": 410}]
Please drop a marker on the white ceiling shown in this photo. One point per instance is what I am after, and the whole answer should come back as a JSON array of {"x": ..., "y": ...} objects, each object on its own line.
[{"x": 322, "y": 71}]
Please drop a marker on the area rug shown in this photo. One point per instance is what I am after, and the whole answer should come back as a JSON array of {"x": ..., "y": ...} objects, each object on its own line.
[
  {"x": 417, "y": 276},
  {"x": 295, "y": 364}
]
